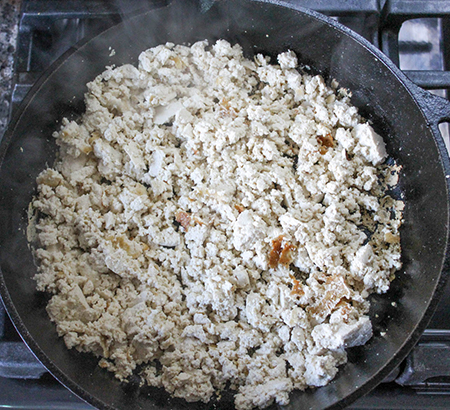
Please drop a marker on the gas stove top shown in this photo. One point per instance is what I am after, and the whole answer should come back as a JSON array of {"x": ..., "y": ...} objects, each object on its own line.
[{"x": 414, "y": 34}]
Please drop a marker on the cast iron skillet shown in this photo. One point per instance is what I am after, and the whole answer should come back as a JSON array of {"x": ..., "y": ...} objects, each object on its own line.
[{"x": 405, "y": 115}]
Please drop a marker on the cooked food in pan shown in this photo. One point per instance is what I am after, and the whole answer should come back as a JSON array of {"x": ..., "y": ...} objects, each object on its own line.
[{"x": 213, "y": 221}]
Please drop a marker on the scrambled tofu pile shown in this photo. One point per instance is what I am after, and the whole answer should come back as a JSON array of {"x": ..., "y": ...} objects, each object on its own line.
[{"x": 215, "y": 221}]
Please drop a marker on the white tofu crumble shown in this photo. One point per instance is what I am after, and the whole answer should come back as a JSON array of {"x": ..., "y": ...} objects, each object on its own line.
[{"x": 217, "y": 222}]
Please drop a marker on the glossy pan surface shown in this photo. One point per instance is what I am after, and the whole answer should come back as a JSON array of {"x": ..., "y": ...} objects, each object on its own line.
[{"x": 380, "y": 91}]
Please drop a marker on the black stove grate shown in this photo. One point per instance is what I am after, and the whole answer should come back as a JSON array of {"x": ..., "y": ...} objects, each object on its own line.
[{"x": 50, "y": 27}]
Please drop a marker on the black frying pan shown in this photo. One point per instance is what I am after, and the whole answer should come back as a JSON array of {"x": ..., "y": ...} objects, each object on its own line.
[{"x": 405, "y": 115}]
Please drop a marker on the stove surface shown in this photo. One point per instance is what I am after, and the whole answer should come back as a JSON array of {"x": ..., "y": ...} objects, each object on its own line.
[{"x": 414, "y": 34}]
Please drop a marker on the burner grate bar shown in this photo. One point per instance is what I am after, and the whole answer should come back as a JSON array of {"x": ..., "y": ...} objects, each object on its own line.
[
  {"x": 429, "y": 359},
  {"x": 340, "y": 8},
  {"x": 401, "y": 10},
  {"x": 431, "y": 80},
  {"x": 78, "y": 9},
  {"x": 395, "y": 12},
  {"x": 17, "y": 362}
]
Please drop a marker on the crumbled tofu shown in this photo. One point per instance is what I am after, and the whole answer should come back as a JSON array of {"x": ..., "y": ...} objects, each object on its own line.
[
  {"x": 337, "y": 335},
  {"x": 371, "y": 145},
  {"x": 214, "y": 221}
]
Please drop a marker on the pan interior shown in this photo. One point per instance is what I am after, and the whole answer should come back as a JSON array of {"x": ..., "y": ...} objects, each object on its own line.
[{"x": 28, "y": 148}]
